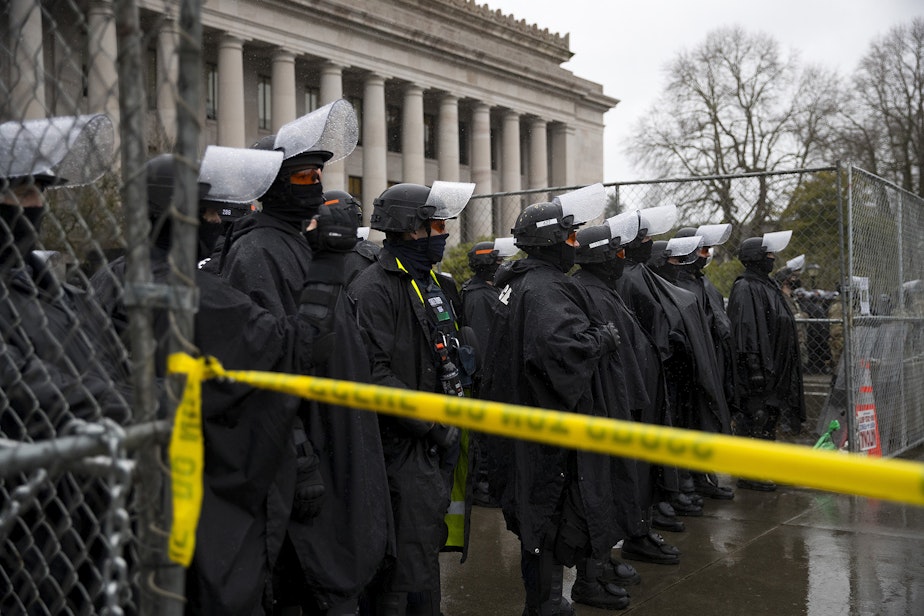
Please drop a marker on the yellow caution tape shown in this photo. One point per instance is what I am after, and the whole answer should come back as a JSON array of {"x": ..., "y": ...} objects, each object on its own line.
[
  {"x": 889, "y": 479},
  {"x": 186, "y": 459}
]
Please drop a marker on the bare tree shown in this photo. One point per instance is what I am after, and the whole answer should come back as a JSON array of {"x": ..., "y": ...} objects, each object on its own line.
[
  {"x": 884, "y": 130},
  {"x": 735, "y": 105}
]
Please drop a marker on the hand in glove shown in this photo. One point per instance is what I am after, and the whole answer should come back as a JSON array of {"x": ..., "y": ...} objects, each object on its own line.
[
  {"x": 333, "y": 229},
  {"x": 609, "y": 337},
  {"x": 444, "y": 436},
  {"x": 309, "y": 488}
]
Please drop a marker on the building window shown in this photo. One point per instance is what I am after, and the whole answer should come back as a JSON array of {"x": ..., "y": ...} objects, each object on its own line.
[
  {"x": 355, "y": 187},
  {"x": 357, "y": 103},
  {"x": 211, "y": 91},
  {"x": 463, "y": 143},
  {"x": 429, "y": 135},
  {"x": 393, "y": 127},
  {"x": 312, "y": 98},
  {"x": 264, "y": 102},
  {"x": 150, "y": 79}
]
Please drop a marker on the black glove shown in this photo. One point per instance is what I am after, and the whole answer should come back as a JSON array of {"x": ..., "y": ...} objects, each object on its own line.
[
  {"x": 309, "y": 487},
  {"x": 609, "y": 336},
  {"x": 444, "y": 436},
  {"x": 335, "y": 230},
  {"x": 756, "y": 380}
]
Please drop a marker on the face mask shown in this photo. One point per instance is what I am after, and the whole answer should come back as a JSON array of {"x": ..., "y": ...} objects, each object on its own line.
[
  {"x": 795, "y": 284},
  {"x": 24, "y": 223},
  {"x": 209, "y": 232},
  {"x": 640, "y": 253},
  {"x": 436, "y": 246}
]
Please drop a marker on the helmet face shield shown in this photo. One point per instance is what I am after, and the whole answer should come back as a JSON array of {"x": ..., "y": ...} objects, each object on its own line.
[
  {"x": 332, "y": 128},
  {"x": 776, "y": 241},
  {"x": 67, "y": 150},
  {"x": 505, "y": 247},
  {"x": 714, "y": 235},
  {"x": 238, "y": 175},
  {"x": 583, "y": 204},
  {"x": 796, "y": 264},
  {"x": 658, "y": 220},
  {"x": 448, "y": 199},
  {"x": 624, "y": 227},
  {"x": 685, "y": 249}
]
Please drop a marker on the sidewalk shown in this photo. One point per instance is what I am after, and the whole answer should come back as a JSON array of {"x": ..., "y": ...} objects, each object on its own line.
[{"x": 791, "y": 552}]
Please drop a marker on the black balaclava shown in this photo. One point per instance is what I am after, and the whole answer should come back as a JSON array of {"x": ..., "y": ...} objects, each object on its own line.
[
  {"x": 608, "y": 271},
  {"x": 559, "y": 255},
  {"x": 639, "y": 250},
  {"x": 209, "y": 232},
  {"x": 24, "y": 224},
  {"x": 486, "y": 272},
  {"x": 413, "y": 254},
  {"x": 762, "y": 266},
  {"x": 294, "y": 203}
]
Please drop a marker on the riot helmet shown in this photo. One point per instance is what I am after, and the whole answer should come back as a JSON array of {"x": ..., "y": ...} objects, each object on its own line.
[
  {"x": 751, "y": 250},
  {"x": 485, "y": 257},
  {"x": 404, "y": 208},
  {"x": 342, "y": 197},
  {"x": 554, "y": 222},
  {"x": 236, "y": 177}
]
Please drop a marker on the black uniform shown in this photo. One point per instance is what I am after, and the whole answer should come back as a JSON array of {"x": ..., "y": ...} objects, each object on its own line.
[
  {"x": 400, "y": 328},
  {"x": 767, "y": 347},
  {"x": 546, "y": 351},
  {"x": 60, "y": 361}
]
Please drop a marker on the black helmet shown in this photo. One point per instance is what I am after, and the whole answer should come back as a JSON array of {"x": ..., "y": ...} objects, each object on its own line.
[
  {"x": 402, "y": 208},
  {"x": 482, "y": 254},
  {"x": 595, "y": 245},
  {"x": 685, "y": 232},
  {"x": 542, "y": 224},
  {"x": 161, "y": 172},
  {"x": 659, "y": 254},
  {"x": 752, "y": 249},
  {"x": 345, "y": 199}
]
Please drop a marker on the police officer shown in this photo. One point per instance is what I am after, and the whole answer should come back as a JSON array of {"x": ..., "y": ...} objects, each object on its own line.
[
  {"x": 366, "y": 252},
  {"x": 766, "y": 344},
  {"x": 546, "y": 349},
  {"x": 692, "y": 278},
  {"x": 479, "y": 299},
  {"x": 61, "y": 364},
  {"x": 414, "y": 336}
]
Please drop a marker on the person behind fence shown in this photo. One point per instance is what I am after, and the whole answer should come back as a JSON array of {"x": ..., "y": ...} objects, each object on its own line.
[
  {"x": 690, "y": 276},
  {"x": 61, "y": 368},
  {"x": 766, "y": 346},
  {"x": 547, "y": 349},
  {"x": 479, "y": 295},
  {"x": 416, "y": 344}
]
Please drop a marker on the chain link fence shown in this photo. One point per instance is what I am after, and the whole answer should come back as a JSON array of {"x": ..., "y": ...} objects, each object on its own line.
[{"x": 84, "y": 407}]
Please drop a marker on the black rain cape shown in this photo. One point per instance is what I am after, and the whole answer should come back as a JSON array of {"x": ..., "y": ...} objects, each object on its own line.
[
  {"x": 763, "y": 325},
  {"x": 545, "y": 351},
  {"x": 676, "y": 323}
]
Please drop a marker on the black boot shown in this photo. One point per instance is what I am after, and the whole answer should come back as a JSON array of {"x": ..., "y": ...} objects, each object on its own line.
[
  {"x": 664, "y": 517},
  {"x": 707, "y": 484},
  {"x": 391, "y": 604},
  {"x": 591, "y": 588},
  {"x": 650, "y": 548}
]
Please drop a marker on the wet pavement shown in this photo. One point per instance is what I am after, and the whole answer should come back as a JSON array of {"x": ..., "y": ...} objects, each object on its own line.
[{"x": 790, "y": 552}]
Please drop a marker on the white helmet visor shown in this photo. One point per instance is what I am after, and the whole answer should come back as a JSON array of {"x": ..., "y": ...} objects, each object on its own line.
[
  {"x": 684, "y": 248},
  {"x": 624, "y": 226},
  {"x": 714, "y": 235},
  {"x": 796, "y": 264},
  {"x": 449, "y": 198},
  {"x": 74, "y": 149},
  {"x": 583, "y": 204},
  {"x": 776, "y": 240},
  {"x": 238, "y": 175},
  {"x": 505, "y": 247},
  {"x": 658, "y": 220},
  {"x": 332, "y": 128}
]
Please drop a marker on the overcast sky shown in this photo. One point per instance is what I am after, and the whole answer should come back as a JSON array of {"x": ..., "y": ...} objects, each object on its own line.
[{"x": 625, "y": 44}]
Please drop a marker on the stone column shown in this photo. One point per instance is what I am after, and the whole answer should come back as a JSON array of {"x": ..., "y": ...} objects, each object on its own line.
[
  {"x": 231, "y": 119},
  {"x": 510, "y": 171},
  {"x": 331, "y": 90},
  {"x": 412, "y": 136},
  {"x": 27, "y": 72},
  {"x": 103, "y": 76},
  {"x": 538, "y": 159},
  {"x": 375, "y": 170},
  {"x": 168, "y": 71},
  {"x": 478, "y": 214},
  {"x": 447, "y": 153},
  {"x": 283, "y": 99},
  {"x": 563, "y": 152}
]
